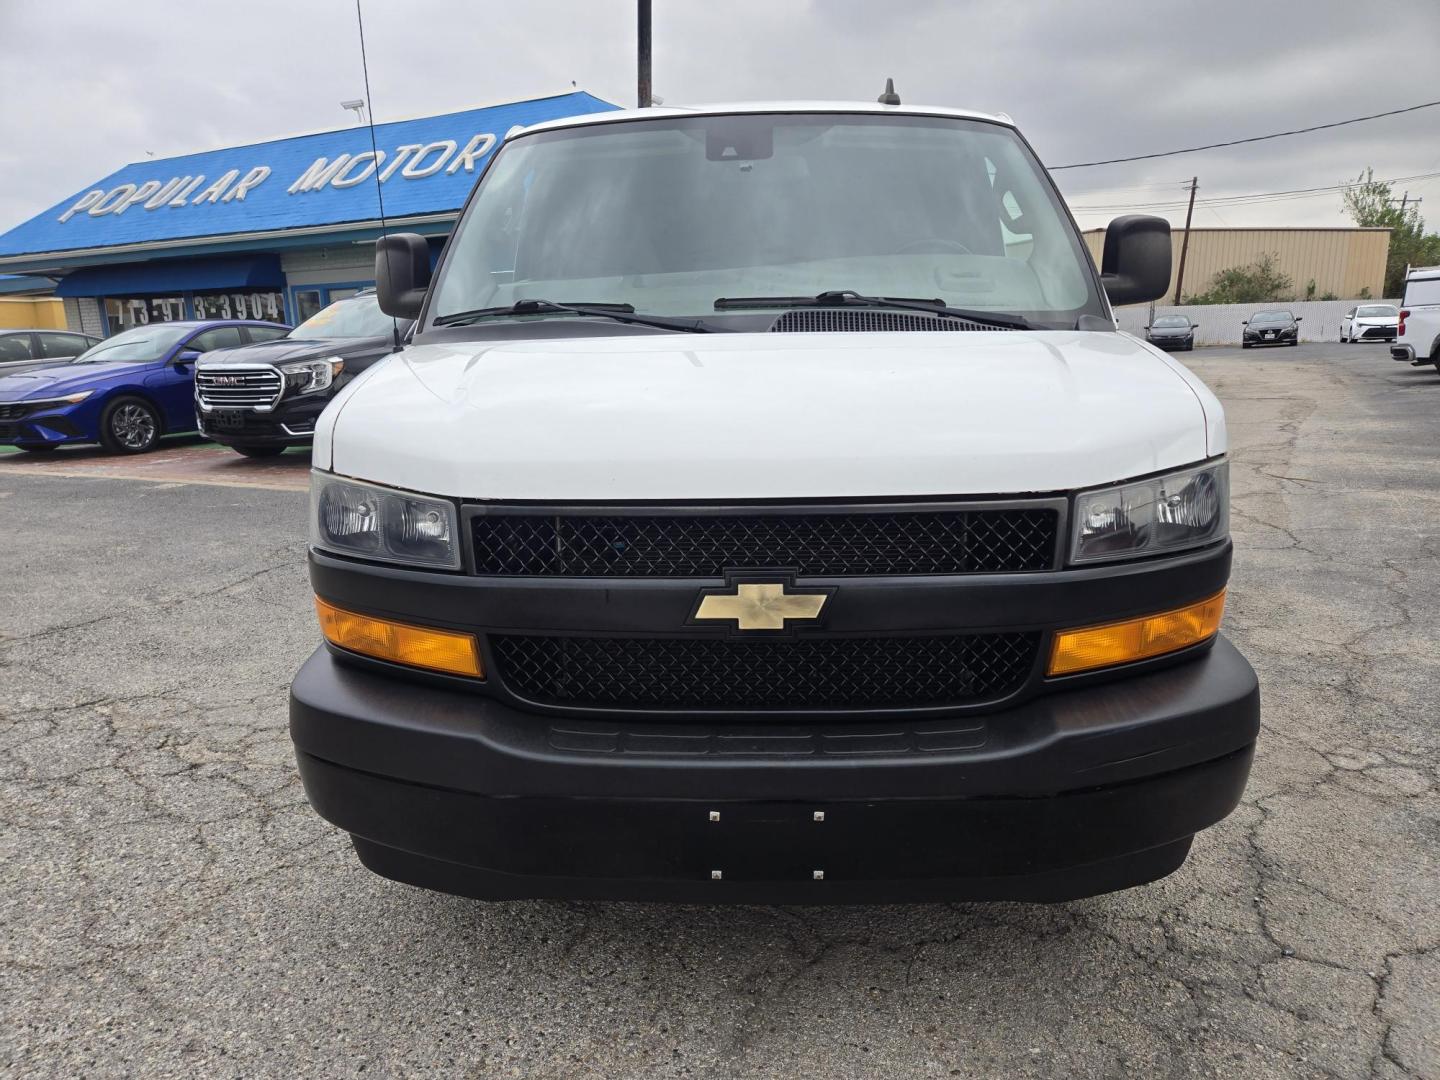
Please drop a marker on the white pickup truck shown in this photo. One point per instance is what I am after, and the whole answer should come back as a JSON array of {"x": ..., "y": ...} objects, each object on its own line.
[
  {"x": 1418, "y": 337},
  {"x": 768, "y": 509}
]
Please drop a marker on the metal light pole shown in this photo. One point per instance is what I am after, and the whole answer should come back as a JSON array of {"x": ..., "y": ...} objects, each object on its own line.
[{"x": 642, "y": 40}]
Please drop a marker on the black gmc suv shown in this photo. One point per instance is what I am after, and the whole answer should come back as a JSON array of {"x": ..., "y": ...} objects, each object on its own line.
[{"x": 259, "y": 399}]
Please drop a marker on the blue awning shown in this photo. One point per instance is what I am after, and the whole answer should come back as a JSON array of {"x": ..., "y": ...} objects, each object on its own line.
[{"x": 174, "y": 276}]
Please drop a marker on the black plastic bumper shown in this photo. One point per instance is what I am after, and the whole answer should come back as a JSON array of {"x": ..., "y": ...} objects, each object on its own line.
[
  {"x": 1067, "y": 795},
  {"x": 292, "y": 423}
]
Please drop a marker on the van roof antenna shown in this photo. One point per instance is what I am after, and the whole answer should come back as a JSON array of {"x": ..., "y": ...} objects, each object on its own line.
[{"x": 889, "y": 97}]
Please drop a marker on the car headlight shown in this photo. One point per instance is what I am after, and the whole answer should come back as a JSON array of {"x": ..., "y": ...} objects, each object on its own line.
[
  {"x": 312, "y": 376},
  {"x": 1167, "y": 513},
  {"x": 372, "y": 522},
  {"x": 75, "y": 399}
]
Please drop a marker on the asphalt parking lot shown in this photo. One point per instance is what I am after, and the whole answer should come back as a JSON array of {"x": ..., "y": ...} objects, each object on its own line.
[{"x": 173, "y": 908}]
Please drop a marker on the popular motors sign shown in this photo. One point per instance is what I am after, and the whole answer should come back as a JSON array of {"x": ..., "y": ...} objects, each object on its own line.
[{"x": 411, "y": 161}]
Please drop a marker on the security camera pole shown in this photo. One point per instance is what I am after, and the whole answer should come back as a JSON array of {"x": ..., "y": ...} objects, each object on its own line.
[{"x": 643, "y": 52}]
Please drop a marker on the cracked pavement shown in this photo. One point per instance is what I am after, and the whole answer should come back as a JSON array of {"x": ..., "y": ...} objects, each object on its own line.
[{"x": 172, "y": 907}]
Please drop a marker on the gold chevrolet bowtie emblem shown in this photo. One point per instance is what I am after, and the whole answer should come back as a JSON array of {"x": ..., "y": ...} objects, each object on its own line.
[{"x": 761, "y": 607}]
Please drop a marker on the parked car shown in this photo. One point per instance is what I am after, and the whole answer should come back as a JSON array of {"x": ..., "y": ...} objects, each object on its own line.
[
  {"x": 22, "y": 350},
  {"x": 1418, "y": 334},
  {"x": 124, "y": 393},
  {"x": 656, "y": 569},
  {"x": 1370, "y": 322},
  {"x": 258, "y": 399},
  {"x": 1271, "y": 328},
  {"x": 1172, "y": 332}
]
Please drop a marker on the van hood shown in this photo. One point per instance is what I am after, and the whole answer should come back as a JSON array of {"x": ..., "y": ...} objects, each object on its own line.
[
  {"x": 770, "y": 416},
  {"x": 63, "y": 379}
]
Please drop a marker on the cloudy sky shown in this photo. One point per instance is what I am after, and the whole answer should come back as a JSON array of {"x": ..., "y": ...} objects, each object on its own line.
[{"x": 91, "y": 85}]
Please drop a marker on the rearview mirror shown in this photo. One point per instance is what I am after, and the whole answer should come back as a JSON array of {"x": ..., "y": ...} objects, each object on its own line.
[
  {"x": 1135, "y": 266},
  {"x": 402, "y": 274}
]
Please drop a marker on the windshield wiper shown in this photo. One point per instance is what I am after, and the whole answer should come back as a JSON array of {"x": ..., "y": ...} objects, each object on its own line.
[
  {"x": 848, "y": 297},
  {"x": 619, "y": 312}
]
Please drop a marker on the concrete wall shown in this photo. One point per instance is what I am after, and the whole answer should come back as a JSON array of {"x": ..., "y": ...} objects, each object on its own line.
[
  {"x": 32, "y": 312},
  {"x": 1340, "y": 261},
  {"x": 1220, "y": 324}
]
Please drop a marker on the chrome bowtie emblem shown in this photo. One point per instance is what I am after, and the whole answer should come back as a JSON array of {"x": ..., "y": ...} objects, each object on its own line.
[{"x": 761, "y": 606}]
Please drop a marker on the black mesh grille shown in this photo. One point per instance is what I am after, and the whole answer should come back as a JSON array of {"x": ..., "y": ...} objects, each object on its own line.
[
  {"x": 15, "y": 411},
  {"x": 720, "y": 673},
  {"x": 707, "y": 545},
  {"x": 842, "y": 320}
]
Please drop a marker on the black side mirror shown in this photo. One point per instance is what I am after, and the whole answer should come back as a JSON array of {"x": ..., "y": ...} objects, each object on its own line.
[
  {"x": 1299, "y": 318},
  {"x": 402, "y": 274},
  {"x": 1244, "y": 322},
  {"x": 1135, "y": 266}
]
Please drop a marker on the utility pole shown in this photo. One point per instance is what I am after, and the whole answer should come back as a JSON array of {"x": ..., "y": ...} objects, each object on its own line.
[
  {"x": 642, "y": 40},
  {"x": 1185, "y": 243}
]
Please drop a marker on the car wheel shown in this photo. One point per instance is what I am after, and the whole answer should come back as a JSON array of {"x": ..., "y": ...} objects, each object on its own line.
[
  {"x": 253, "y": 451},
  {"x": 129, "y": 425},
  {"x": 36, "y": 448},
  {"x": 1295, "y": 343}
]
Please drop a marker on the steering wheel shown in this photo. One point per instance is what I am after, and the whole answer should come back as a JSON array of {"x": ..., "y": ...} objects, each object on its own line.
[{"x": 933, "y": 245}]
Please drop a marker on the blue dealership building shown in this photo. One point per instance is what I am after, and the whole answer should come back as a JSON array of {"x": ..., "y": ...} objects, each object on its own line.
[{"x": 273, "y": 230}]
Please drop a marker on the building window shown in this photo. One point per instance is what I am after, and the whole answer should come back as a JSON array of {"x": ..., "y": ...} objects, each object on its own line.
[
  {"x": 138, "y": 311},
  {"x": 265, "y": 306}
]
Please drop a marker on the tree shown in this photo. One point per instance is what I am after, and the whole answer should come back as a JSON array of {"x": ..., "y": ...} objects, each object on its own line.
[
  {"x": 1262, "y": 280},
  {"x": 1372, "y": 204}
]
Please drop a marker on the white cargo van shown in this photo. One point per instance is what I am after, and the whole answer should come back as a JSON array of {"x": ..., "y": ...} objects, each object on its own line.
[{"x": 767, "y": 508}]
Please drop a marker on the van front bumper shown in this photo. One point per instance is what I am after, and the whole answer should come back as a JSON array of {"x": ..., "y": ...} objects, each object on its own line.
[{"x": 1069, "y": 794}]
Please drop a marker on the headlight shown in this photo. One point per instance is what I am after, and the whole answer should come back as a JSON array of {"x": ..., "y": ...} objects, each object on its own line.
[
  {"x": 312, "y": 376},
  {"x": 75, "y": 399},
  {"x": 1149, "y": 517},
  {"x": 372, "y": 522}
]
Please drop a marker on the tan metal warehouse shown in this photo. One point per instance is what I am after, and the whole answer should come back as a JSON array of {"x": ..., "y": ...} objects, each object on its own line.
[{"x": 1343, "y": 262}]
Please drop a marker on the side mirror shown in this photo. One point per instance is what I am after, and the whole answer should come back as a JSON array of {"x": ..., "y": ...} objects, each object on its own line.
[
  {"x": 402, "y": 274},
  {"x": 1135, "y": 266},
  {"x": 1244, "y": 322},
  {"x": 187, "y": 356},
  {"x": 1299, "y": 318}
]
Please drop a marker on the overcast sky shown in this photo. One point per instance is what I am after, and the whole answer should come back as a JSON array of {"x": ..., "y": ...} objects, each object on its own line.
[{"x": 92, "y": 85}]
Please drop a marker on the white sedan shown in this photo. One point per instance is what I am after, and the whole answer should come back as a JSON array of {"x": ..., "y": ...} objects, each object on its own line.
[{"x": 1370, "y": 322}]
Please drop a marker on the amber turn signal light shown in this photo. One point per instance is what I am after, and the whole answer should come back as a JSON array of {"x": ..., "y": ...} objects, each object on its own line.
[
  {"x": 1122, "y": 642},
  {"x": 400, "y": 643}
]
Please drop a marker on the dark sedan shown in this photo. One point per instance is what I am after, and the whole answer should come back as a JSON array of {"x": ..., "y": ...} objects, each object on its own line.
[
  {"x": 1271, "y": 328},
  {"x": 1171, "y": 332}
]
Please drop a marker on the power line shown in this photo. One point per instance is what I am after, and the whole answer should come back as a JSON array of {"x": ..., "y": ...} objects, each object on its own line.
[
  {"x": 1252, "y": 139},
  {"x": 1254, "y": 197}
]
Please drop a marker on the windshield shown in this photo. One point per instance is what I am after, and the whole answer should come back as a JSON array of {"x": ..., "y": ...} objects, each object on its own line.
[
  {"x": 671, "y": 214},
  {"x": 1377, "y": 311},
  {"x": 1269, "y": 318},
  {"x": 1171, "y": 320},
  {"x": 139, "y": 345},
  {"x": 353, "y": 317}
]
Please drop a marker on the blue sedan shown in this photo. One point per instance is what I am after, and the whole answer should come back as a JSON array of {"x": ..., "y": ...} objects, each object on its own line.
[{"x": 124, "y": 393}]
